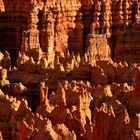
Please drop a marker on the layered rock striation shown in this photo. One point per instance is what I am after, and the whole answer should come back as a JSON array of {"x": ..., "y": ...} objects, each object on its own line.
[{"x": 57, "y": 25}]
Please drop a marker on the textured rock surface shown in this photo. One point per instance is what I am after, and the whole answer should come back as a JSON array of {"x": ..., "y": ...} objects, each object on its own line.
[
  {"x": 57, "y": 25},
  {"x": 77, "y": 110},
  {"x": 127, "y": 48},
  {"x": 73, "y": 109},
  {"x": 58, "y": 77}
]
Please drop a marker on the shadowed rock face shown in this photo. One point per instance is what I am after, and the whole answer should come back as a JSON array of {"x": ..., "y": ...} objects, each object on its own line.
[
  {"x": 128, "y": 45},
  {"x": 58, "y": 78}
]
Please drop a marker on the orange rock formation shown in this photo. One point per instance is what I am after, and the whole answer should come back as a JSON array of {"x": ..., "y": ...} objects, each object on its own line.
[{"x": 69, "y": 70}]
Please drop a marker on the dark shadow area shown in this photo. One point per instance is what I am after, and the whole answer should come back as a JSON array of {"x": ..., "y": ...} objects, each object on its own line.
[
  {"x": 12, "y": 24},
  {"x": 74, "y": 40},
  {"x": 8, "y": 42},
  {"x": 40, "y": 26}
]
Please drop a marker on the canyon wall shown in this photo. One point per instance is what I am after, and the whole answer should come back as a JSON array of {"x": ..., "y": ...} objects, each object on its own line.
[
  {"x": 69, "y": 70},
  {"x": 57, "y": 25}
]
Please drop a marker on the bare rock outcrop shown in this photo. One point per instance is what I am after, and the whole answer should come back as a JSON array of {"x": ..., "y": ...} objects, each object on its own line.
[{"x": 58, "y": 78}]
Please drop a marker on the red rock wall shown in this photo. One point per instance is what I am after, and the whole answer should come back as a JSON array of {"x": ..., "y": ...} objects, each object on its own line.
[
  {"x": 65, "y": 24},
  {"x": 83, "y": 96}
]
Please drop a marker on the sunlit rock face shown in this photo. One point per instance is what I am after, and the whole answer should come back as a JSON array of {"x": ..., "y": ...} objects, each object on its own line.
[
  {"x": 57, "y": 25},
  {"x": 69, "y": 69}
]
